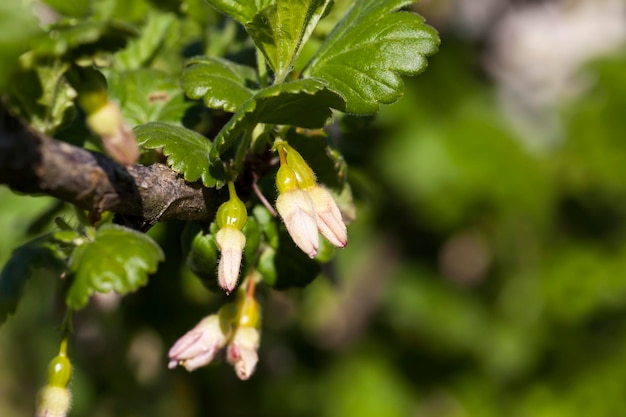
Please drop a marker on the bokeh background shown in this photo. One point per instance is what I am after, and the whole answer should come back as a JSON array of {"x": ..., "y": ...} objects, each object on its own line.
[{"x": 486, "y": 270}]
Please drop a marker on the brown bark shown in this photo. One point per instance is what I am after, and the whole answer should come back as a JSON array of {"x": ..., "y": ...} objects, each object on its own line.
[{"x": 34, "y": 164}]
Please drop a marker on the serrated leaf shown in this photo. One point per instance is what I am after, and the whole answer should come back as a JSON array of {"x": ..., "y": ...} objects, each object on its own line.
[
  {"x": 304, "y": 103},
  {"x": 147, "y": 95},
  {"x": 241, "y": 10},
  {"x": 369, "y": 49},
  {"x": 24, "y": 262},
  {"x": 187, "y": 151},
  {"x": 221, "y": 83},
  {"x": 118, "y": 259},
  {"x": 141, "y": 50},
  {"x": 281, "y": 30}
]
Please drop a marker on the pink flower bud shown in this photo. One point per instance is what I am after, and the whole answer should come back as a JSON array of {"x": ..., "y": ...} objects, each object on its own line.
[
  {"x": 242, "y": 351},
  {"x": 296, "y": 209},
  {"x": 199, "y": 345},
  {"x": 230, "y": 242},
  {"x": 328, "y": 216}
]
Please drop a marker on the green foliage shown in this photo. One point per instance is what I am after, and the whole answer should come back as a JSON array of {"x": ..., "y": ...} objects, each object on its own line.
[
  {"x": 281, "y": 30},
  {"x": 117, "y": 259},
  {"x": 242, "y": 11},
  {"x": 221, "y": 83},
  {"x": 187, "y": 151},
  {"x": 364, "y": 55}
]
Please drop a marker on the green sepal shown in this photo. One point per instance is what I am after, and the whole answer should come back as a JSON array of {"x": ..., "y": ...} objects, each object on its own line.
[
  {"x": 202, "y": 259},
  {"x": 59, "y": 371},
  {"x": 118, "y": 259},
  {"x": 187, "y": 151},
  {"x": 368, "y": 51},
  {"x": 37, "y": 256},
  {"x": 328, "y": 164}
]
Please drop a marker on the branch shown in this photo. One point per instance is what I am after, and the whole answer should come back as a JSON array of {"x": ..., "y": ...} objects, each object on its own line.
[{"x": 35, "y": 164}]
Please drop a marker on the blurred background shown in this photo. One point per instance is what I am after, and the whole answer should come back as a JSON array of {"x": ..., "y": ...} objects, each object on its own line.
[{"x": 486, "y": 270}]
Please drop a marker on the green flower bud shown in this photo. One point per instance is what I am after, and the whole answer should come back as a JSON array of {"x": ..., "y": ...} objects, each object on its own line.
[
  {"x": 233, "y": 212},
  {"x": 286, "y": 179},
  {"x": 59, "y": 371}
]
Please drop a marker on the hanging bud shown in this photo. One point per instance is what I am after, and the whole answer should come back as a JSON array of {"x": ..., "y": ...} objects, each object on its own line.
[
  {"x": 241, "y": 352},
  {"x": 199, "y": 345},
  {"x": 230, "y": 242},
  {"x": 328, "y": 216},
  {"x": 54, "y": 399},
  {"x": 296, "y": 209},
  {"x": 231, "y": 218},
  {"x": 118, "y": 140}
]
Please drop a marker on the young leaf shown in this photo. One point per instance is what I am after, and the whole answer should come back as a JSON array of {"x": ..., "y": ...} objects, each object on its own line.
[
  {"x": 221, "y": 83},
  {"x": 141, "y": 50},
  {"x": 369, "y": 49},
  {"x": 241, "y": 10},
  {"x": 303, "y": 103},
  {"x": 118, "y": 259},
  {"x": 147, "y": 95},
  {"x": 281, "y": 30},
  {"x": 202, "y": 259},
  {"x": 24, "y": 262},
  {"x": 187, "y": 151}
]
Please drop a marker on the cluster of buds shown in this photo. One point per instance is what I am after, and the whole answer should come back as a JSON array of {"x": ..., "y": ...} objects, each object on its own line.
[
  {"x": 54, "y": 399},
  {"x": 305, "y": 206},
  {"x": 231, "y": 218},
  {"x": 236, "y": 326}
]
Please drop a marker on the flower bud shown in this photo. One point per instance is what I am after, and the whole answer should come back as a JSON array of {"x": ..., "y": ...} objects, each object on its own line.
[
  {"x": 328, "y": 216},
  {"x": 230, "y": 241},
  {"x": 296, "y": 209},
  {"x": 199, "y": 345},
  {"x": 118, "y": 140},
  {"x": 53, "y": 401},
  {"x": 242, "y": 351}
]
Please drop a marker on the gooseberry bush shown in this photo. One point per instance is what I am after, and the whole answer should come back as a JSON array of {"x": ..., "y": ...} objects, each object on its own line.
[{"x": 225, "y": 115}]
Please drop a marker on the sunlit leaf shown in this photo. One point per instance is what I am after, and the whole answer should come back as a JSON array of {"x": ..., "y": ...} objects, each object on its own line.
[
  {"x": 368, "y": 51},
  {"x": 118, "y": 259}
]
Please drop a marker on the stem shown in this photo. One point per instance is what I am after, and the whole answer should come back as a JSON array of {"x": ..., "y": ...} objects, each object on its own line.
[
  {"x": 262, "y": 67},
  {"x": 231, "y": 190},
  {"x": 251, "y": 286},
  {"x": 66, "y": 330}
]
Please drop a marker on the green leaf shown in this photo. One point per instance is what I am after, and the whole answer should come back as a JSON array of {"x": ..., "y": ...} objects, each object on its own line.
[
  {"x": 281, "y": 30},
  {"x": 118, "y": 259},
  {"x": 141, "y": 50},
  {"x": 27, "y": 260},
  {"x": 147, "y": 95},
  {"x": 303, "y": 103},
  {"x": 221, "y": 83},
  {"x": 44, "y": 96},
  {"x": 187, "y": 151},
  {"x": 253, "y": 239},
  {"x": 369, "y": 49},
  {"x": 241, "y": 10}
]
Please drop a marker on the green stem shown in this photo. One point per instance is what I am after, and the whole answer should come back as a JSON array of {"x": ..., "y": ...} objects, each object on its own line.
[{"x": 262, "y": 67}]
